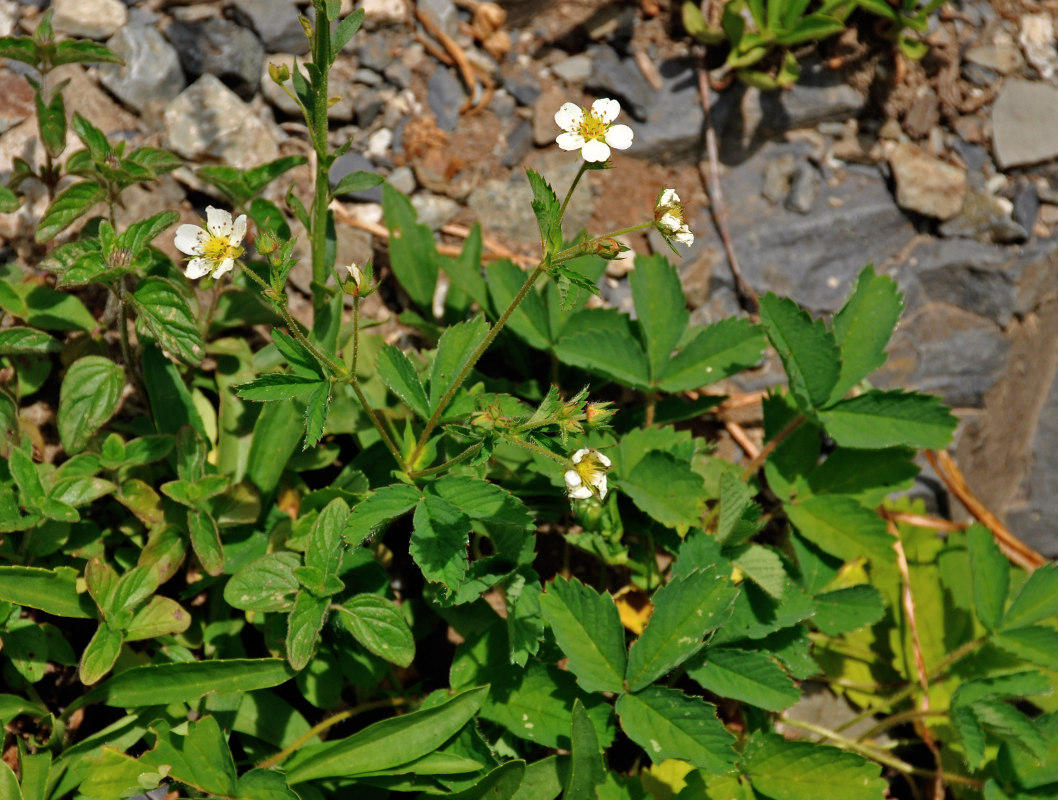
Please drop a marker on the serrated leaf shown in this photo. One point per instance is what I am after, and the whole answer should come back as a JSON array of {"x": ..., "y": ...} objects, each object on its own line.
[
  {"x": 661, "y": 310},
  {"x": 547, "y": 210},
  {"x": 454, "y": 351},
  {"x": 24, "y": 472},
  {"x": 846, "y": 610},
  {"x": 1010, "y": 725},
  {"x": 79, "y": 51},
  {"x": 807, "y": 349},
  {"x": 746, "y": 675},
  {"x": 878, "y": 419},
  {"x": 841, "y": 526},
  {"x": 263, "y": 784},
  {"x": 863, "y": 327},
  {"x": 586, "y": 768},
  {"x": 761, "y": 565},
  {"x": 372, "y": 513},
  {"x": 601, "y": 341},
  {"x": 325, "y": 547},
  {"x": 413, "y": 253},
  {"x": 685, "y": 610},
  {"x": 19, "y": 48},
  {"x": 400, "y": 377},
  {"x": 439, "y": 538},
  {"x": 1037, "y": 600},
  {"x": 1035, "y": 644},
  {"x": 785, "y": 770},
  {"x": 72, "y": 203},
  {"x": 990, "y": 572},
  {"x": 666, "y": 488},
  {"x": 89, "y": 397},
  {"x": 166, "y": 313},
  {"x": 588, "y": 630},
  {"x": 465, "y": 269},
  {"x": 19, "y": 341},
  {"x": 140, "y": 234},
  {"x": 868, "y": 475},
  {"x": 718, "y": 351},
  {"x": 277, "y": 386},
  {"x": 668, "y": 724},
  {"x": 1029, "y": 772},
  {"x": 379, "y": 626},
  {"x": 316, "y": 407},
  {"x": 386, "y": 744}
]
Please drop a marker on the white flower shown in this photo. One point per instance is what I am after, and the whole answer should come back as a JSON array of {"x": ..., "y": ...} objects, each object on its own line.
[
  {"x": 214, "y": 247},
  {"x": 592, "y": 132},
  {"x": 668, "y": 215},
  {"x": 356, "y": 275},
  {"x": 588, "y": 476}
]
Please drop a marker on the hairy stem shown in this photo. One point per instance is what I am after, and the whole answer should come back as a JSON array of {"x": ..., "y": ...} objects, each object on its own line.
[{"x": 321, "y": 44}]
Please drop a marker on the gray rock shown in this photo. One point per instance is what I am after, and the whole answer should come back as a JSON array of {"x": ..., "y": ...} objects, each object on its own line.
[
  {"x": 524, "y": 88},
  {"x": 434, "y": 210},
  {"x": 276, "y": 24},
  {"x": 544, "y": 127},
  {"x": 1025, "y": 123},
  {"x": 574, "y": 70},
  {"x": 612, "y": 76},
  {"x": 1026, "y": 206},
  {"x": 441, "y": 13},
  {"x": 804, "y": 188},
  {"x": 978, "y": 75},
  {"x": 519, "y": 143},
  {"x": 151, "y": 70},
  {"x": 672, "y": 132},
  {"x": 399, "y": 74},
  {"x": 19, "y": 103},
  {"x": 222, "y": 48},
  {"x": 402, "y": 179},
  {"x": 973, "y": 156},
  {"x": 985, "y": 218},
  {"x": 777, "y": 175},
  {"x": 354, "y": 162},
  {"x": 1032, "y": 516},
  {"x": 208, "y": 120},
  {"x": 998, "y": 58},
  {"x": 818, "y": 96},
  {"x": 926, "y": 185},
  {"x": 375, "y": 53},
  {"x": 382, "y": 13},
  {"x": 368, "y": 77},
  {"x": 445, "y": 95},
  {"x": 367, "y": 104},
  {"x": 92, "y": 19},
  {"x": 502, "y": 104}
]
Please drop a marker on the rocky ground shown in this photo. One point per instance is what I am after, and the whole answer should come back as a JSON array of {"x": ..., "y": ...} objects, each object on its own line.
[{"x": 940, "y": 172}]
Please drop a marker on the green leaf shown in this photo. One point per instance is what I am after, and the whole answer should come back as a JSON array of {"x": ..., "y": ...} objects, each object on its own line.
[
  {"x": 863, "y": 327},
  {"x": 666, "y": 488},
  {"x": 19, "y": 48},
  {"x": 379, "y": 626},
  {"x": 745, "y": 675},
  {"x": 263, "y": 784},
  {"x": 51, "y": 122},
  {"x": 79, "y": 51},
  {"x": 716, "y": 352},
  {"x": 1028, "y": 771},
  {"x": 1035, "y": 644},
  {"x": 9, "y": 201},
  {"x": 668, "y": 724},
  {"x": 601, "y": 341},
  {"x": 57, "y": 311},
  {"x": 685, "y": 610},
  {"x": 530, "y": 318},
  {"x": 171, "y": 405},
  {"x": 868, "y": 475},
  {"x": 465, "y": 269},
  {"x": 735, "y": 496},
  {"x": 161, "y": 684},
  {"x": 72, "y": 203},
  {"x": 89, "y": 397},
  {"x": 205, "y": 540},
  {"x": 325, "y": 546},
  {"x": 303, "y": 628},
  {"x": 140, "y": 234},
  {"x": 276, "y": 434},
  {"x": 890, "y": 419},
  {"x": 807, "y": 349},
  {"x": 316, "y": 408},
  {"x": 454, "y": 351},
  {"x": 200, "y": 759},
  {"x": 848, "y": 609},
  {"x": 166, "y": 313},
  {"x": 260, "y": 176},
  {"x": 371, "y": 515},
  {"x": 53, "y": 591},
  {"x": 345, "y": 30},
  {"x": 277, "y": 386},
  {"x": 265, "y": 584},
  {"x": 589, "y": 631},
  {"x": 839, "y": 525},
  {"x": 990, "y": 572},
  {"x": 388, "y": 743},
  {"x": 587, "y": 768},
  {"x": 785, "y": 770},
  {"x": 161, "y": 616},
  {"x": 661, "y": 310},
  {"x": 397, "y": 372},
  {"x": 357, "y": 182},
  {"x": 1037, "y": 600},
  {"x": 439, "y": 541},
  {"x": 26, "y": 477},
  {"x": 100, "y": 654},
  {"x": 548, "y": 212},
  {"x": 762, "y": 565},
  {"x": 94, "y": 139},
  {"x": 412, "y": 251},
  {"x": 12, "y": 301}
]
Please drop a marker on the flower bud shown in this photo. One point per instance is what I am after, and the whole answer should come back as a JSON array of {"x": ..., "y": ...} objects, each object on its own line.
[
  {"x": 610, "y": 249},
  {"x": 598, "y": 415},
  {"x": 280, "y": 73},
  {"x": 266, "y": 243}
]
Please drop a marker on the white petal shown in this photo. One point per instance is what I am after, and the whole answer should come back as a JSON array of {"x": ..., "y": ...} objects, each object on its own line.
[
  {"x": 668, "y": 198},
  {"x": 189, "y": 239},
  {"x": 595, "y": 150},
  {"x": 669, "y": 222},
  {"x": 684, "y": 236},
  {"x": 606, "y": 109},
  {"x": 198, "y": 268},
  {"x": 218, "y": 221},
  {"x": 570, "y": 141},
  {"x": 579, "y": 455},
  {"x": 580, "y": 492},
  {"x": 600, "y": 483},
  {"x": 238, "y": 230},
  {"x": 604, "y": 460},
  {"x": 227, "y": 265},
  {"x": 569, "y": 117},
  {"x": 619, "y": 137}
]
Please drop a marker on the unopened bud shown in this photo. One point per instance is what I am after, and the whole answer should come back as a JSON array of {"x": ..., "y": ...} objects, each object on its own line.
[
  {"x": 356, "y": 276},
  {"x": 266, "y": 243},
  {"x": 598, "y": 415},
  {"x": 120, "y": 258},
  {"x": 610, "y": 249},
  {"x": 280, "y": 73}
]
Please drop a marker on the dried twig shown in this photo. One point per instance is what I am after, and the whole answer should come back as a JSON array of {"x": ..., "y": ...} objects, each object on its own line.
[
  {"x": 459, "y": 56},
  {"x": 738, "y": 433}
]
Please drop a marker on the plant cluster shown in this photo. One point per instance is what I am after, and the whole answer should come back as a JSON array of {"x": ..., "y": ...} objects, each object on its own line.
[{"x": 505, "y": 561}]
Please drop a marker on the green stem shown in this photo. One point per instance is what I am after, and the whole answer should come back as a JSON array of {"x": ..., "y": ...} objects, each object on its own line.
[
  {"x": 468, "y": 453},
  {"x": 623, "y": 231},
  {"x": 379, "y": 425},
  {"x": 569, "y": 192},
  {"x": 321, "y": 43},
  {"x": 432, "y": 423},
  {"x": 898, "y": 719},
  {"x": 356, "y": 332},
  {"x": 535, "y": 448}
]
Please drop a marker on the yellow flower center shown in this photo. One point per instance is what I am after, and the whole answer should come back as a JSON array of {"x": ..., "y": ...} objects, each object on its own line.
[
  {"x": 218, "y": 249},
  {"x": 589, "y": 469},
  {"x": 591, "y": 127}
]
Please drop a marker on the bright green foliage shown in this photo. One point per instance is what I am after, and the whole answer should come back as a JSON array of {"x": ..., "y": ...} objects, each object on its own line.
[
  {"x": 745, "y": 675},
  {"x": 588, "y": 630},
  {"x": 800, "y": 771}
]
